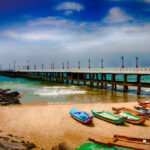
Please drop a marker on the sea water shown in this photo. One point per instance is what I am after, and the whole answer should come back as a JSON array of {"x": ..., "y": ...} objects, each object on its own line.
[{"x": 45, "y": 91}]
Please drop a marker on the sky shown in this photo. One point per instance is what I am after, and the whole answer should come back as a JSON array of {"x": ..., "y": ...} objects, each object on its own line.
[{"x": 40, "y": 32}]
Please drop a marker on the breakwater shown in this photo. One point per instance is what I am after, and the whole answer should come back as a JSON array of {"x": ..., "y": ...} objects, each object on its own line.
[{"x": 100, "y": 78}]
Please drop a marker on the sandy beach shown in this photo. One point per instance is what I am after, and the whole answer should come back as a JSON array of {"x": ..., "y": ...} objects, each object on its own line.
[{"x": 47, "y": 125}]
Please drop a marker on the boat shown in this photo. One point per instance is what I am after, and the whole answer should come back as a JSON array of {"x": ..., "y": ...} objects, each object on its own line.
[
  {"x": 131, "y": 111},
  {"x": 109, "y": 117},
  {"x": 144, "y": 103},
  {"x": 123, "y": 142},
  {"x": 94, "y": 146},
  {"x": 143, "y": 110},
  {"x": 81, "y": 116},
  {"x": 132, "y": 139},
  {"x": 139, "y": 120}
]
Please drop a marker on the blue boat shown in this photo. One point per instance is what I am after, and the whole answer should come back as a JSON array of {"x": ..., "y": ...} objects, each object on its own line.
[
  {"x": 81, "y": 116},
  {"x": 143, "y": 110}
]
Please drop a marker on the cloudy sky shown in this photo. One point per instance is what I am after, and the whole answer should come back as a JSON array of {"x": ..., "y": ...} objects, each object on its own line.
[{"x": 47, "y": 31}]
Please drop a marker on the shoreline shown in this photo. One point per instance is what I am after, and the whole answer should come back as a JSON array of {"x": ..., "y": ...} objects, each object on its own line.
[{"x": 47, "y": 125}]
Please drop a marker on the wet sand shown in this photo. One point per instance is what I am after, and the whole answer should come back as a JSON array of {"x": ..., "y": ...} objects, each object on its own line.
[{"x": 47, "y": 125}]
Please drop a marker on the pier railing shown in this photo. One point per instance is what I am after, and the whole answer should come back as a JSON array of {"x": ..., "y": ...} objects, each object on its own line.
[{"x": 96, "y": 70}]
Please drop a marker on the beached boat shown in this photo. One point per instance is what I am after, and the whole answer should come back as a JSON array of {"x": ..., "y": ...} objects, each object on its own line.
[
  {"x": 132, "y": 118},
  {"x": 131, "y": 111},
  {"x": 143, "y": 110},
  {"x": 123, "y": 142},
  {"x": 144, "y": 103},
  {"x": 109, "y": 117},
  {"x": 132, "y": 139},
  {"x": 81, "y": 116}
]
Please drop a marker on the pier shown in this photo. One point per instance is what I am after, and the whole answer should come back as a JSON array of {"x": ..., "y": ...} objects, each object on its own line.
[{"x": 93, "y": 77}]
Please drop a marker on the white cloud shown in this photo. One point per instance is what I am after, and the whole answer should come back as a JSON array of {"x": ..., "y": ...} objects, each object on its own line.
[
  {"x": 69, "y": 7},
  {"x": 116, "y": 15},
  {"x": 73, "y": 39},
  {"x": 48, "y": 21}
]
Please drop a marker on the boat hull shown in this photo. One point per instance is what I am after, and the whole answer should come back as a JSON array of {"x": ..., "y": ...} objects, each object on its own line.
[
  {"x": 76, "y": 115},
  {"x": 117, "y": 122},
  {"x": 138, "y": 120}
]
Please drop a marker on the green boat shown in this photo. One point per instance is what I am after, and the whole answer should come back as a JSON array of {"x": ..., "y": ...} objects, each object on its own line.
[
  {"x": 109, "y": 117},
  {"x": 132, "y": 118},
  {"x": 97, "y": 146},
  {"x": 94, "y": 146}
]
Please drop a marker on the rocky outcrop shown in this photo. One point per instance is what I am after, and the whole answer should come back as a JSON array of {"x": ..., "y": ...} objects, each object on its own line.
[
  {"x": 8, "y": 97},
  {"x": 10, "y": 142}
]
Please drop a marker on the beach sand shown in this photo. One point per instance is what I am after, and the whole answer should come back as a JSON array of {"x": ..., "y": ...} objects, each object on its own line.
[{"x": 47, "y": 125}]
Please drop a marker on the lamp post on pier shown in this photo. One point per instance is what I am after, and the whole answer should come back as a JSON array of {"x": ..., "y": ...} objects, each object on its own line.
[
  {"x": 34, "y": 67},
  {"x": 79, "y": 64},
  {"x": 89, "y": 63},
  {"x": 136, "y": 62},
  {"x": 67, "y": 64},
  {"x": 122, "y": 61},
  {"x": 14, "y": 64},
  {"x": 63, "y": 65},
  {"x": 53, "y": 66},
  {"x": 28, "y": 65},
  {"x": 102, "y": 63},
  {"x": 42, "y": 66}
]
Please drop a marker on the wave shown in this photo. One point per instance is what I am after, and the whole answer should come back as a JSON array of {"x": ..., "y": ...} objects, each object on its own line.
[{"x": 56, "y": 91}]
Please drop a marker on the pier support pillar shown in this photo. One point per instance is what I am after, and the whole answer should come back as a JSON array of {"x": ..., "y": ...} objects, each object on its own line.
[
  {"x": 101, "y": 81},
  {"x": 91, "y": 79},
  {"x": 112, "y": 81},
  {"x": 71, "y": 81},
  {"x": 125, "y": 88},
  {"x": 138, "y": 90},
  {"x": 138, "y": 84},
  {"x": 84, "y": 82}
]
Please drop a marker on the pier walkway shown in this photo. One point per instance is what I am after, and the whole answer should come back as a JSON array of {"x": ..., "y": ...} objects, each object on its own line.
[{"x": 93, "y": 77}]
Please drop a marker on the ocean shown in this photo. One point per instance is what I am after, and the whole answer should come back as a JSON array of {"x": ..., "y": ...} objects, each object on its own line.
[{"x": 50, "y": 92}]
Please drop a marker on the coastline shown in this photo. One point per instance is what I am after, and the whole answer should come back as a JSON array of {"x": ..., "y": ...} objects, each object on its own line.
[{"x": 47, "y": 125}]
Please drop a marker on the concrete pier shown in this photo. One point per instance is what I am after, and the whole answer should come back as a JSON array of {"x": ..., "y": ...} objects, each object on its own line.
[{"x": 93, "y": 77}]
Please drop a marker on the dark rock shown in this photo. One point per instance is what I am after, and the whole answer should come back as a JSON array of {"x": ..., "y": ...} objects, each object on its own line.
[
  {"x": 14, "y": 94},
  {"x": 60, "y": 146},
  {"x": 8, "y": 97},
  {"x": 29, "y": 145}
]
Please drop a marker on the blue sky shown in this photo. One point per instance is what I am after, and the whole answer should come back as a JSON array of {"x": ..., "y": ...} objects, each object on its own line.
[{"x": 47, "y": 31}]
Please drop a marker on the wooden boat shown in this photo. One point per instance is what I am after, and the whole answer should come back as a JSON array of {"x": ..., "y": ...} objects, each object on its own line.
[
  {"x": 123, "y": 142},
  {"x": 144, "y": 103},
  {"x": 81, "y": 116},
  {"x": 132, "y": 139},
  {"x": 131, "y": 111},
  {"x": 132, "y": 118},
  {"x": 143, "y": 110},
  {"x": 109, "y": 117}
]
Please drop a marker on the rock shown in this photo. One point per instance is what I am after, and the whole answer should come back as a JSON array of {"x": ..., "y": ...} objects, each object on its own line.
[
  {"x": 14, "y": 94},
  {"x": 29, "y": 145},
  {"x": 61, "y": 146},
  {"x": 8, "y": 97}
]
